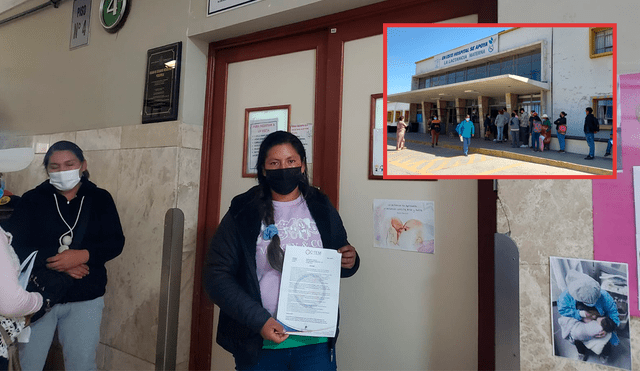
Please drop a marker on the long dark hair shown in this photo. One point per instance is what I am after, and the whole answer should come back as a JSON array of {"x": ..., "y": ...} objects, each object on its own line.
[
  {"x": 65, "y": 145},
  {"x": 275, "y": 255}
]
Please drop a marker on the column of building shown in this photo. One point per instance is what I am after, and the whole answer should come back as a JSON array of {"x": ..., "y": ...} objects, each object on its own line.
[{"x": 483, "y": 111}]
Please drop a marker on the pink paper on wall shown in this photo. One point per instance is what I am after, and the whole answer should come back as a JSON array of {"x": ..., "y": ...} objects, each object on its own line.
[{"x": 614, "y": 228}]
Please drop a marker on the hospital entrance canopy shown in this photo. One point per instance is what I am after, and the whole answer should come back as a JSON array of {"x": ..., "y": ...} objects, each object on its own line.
[{"x": 494, "y": 86}]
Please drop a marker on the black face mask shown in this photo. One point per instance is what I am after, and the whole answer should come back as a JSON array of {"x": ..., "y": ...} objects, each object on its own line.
[{"x": 284, "y": 181}]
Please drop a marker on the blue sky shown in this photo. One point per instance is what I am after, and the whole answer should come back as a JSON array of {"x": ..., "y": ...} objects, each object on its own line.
[{"x": 407, "y": 45}]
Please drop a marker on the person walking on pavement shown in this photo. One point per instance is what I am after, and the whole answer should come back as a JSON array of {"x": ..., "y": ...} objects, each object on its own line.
[
  {"x": 400, "y": 130},
  {"x": 561, "y": 129},
  {"x": 435, "y": 130},
  {"x": 514, "y": 125},
  {"x": 467, "y": 130},
  {"x": 591, "y": 127},
  {"x": 500, "y": 122}
]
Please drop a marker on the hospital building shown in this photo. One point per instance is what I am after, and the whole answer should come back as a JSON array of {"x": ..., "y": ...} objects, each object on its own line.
[{"x": 542, "y": 69}]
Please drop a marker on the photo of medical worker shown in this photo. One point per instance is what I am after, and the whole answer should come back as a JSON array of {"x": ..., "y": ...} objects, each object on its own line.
[{"x": 590, "y": 311}]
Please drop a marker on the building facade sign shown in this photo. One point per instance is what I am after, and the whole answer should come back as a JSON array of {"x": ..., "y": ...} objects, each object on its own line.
[{"x": 477, "y": 49}]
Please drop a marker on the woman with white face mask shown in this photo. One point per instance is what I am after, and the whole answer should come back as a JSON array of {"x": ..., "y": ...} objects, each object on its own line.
[{"x": 75, "y": 227}]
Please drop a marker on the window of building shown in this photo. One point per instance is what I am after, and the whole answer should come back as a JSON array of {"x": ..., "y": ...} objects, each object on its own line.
[
  {"x": 603, "y": 110},
  {"x": 507, "y": 66},
  {"x": 600, "y": 41},
  {"x": 460, "y": 76},
  {"x": 442, "y": 80},
  {"x": 481, "y": 71},
  {"x": 451, "y": 78},
  {"x": 494, "y": 68},
  {"x": 423, "y": 83},
  {"x": 471, "y": 73}
]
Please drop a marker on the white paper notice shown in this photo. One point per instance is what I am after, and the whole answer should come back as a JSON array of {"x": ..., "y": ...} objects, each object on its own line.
[{"x": 310, "y": 291}]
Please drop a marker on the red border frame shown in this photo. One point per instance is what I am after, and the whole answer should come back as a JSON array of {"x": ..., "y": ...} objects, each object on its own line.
[{"x": 521, "y": 25}]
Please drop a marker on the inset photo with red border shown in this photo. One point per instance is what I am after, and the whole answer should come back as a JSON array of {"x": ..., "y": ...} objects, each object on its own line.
[{"x": 493, "y": 101}]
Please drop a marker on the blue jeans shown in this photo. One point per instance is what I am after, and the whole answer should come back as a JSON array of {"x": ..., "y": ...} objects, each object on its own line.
[
  {"x": 609, "y": 146},
  {"x": 561, "y": 141},
  {"x": 515, "y": 138},
  {"x": 78, "y": 326},
  {"x": 500, "y": 133},
  {"x": 591, "y": 142},
  {"x": 308, "y": 357},
  {"x": 535, "y": 140},
  {"x": 465, "y": 144}
]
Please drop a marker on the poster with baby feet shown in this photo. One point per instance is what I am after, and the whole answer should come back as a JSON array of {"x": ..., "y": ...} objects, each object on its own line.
[{"x": 404, "y": 225}]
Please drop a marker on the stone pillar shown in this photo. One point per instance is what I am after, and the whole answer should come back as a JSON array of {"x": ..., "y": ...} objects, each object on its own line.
[
  {"x": 512, "y": 102},
  {"x": 483, "y": 111},
  {"x": 426, "y": 115},
  {"x": 442, "y": 107}
]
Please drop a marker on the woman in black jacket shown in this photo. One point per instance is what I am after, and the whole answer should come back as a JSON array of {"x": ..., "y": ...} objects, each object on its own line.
[
  {"x": 75, "y": 227},
  {"x": 244, "y": 263}
]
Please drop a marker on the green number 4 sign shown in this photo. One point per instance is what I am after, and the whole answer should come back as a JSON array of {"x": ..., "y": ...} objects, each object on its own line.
[{"x": 113, "y": 13}]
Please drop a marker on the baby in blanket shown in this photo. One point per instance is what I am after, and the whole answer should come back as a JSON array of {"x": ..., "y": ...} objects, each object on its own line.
[{"x": 594, "y": 334}]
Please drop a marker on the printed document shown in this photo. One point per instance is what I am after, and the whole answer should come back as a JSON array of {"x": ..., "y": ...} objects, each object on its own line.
[{"x": 310, "y": 291}]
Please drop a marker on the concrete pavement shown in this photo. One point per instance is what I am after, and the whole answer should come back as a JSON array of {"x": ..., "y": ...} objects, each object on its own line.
[{"x": 573, "y": 161}]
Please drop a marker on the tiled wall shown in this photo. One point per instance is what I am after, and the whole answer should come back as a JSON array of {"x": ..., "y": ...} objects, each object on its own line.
[
  {"x": 548, "y": 218},
  {"x": 147, "y": 169}
]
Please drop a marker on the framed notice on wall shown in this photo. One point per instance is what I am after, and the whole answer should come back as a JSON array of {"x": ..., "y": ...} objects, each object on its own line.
[
  {"x": 162, "y": 84},
  {"x": 258, "y": 123}
]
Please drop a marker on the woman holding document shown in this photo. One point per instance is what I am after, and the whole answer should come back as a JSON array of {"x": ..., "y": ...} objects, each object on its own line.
[{"x": 245, "y": 260}]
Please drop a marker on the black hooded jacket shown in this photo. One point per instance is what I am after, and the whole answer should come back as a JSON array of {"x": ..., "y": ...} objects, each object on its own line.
[
  {"x": 36, "y": 225},
  {"x": 230, "y": 276}
]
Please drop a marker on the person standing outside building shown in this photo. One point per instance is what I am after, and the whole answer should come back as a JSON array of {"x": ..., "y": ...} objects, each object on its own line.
[
  {"x": 533, "y": 120},
  {"x": 591, "y": 127},
  {"x": 435, "y": 130},
  {"x": 546, "y": 131},
  {"x": 487, "y": 128},
  {"x": 535, "y": 135},
  {"x": 561, "y": 129},
  {"x": 609, "y": 144},
  {"x": 507, "y": 119},
  {"x": 524, "y": 122},
  {"x": 500, "y": 122},
  {"x": 467, "y": 130},
  {"x": 400, "y": 130},
  {"x": 514, "y": 125}
]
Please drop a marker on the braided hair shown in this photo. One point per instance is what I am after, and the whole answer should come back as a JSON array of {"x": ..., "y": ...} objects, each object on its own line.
[{"x": 275, "y": 255}]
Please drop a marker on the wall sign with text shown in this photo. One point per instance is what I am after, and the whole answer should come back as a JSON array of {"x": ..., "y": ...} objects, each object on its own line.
[
  {"x": 162, "y": 85},
  {"x": 80, "y": 23}
]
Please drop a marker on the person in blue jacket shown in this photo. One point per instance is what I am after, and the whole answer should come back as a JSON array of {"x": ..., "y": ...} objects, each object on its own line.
[
  {"x": 583, "y": 293},
  {"x": 466, "y": 131}
]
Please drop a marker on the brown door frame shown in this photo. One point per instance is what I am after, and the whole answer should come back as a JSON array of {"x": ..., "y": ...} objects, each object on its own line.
[{"x": 313, "y": 34}]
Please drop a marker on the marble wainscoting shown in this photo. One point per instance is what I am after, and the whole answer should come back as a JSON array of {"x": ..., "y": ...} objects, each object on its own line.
[
  {"x": 548, "y": 218},
  {"x": 148, "y": 169}
]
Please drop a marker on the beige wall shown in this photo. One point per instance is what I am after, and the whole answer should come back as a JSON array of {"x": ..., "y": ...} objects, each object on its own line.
[
  {"x": 402, "y": 310},
  {"x": 530, "y": 209},
  {"x": 47, "y": 88},
  {"x": 147, "y": 169}
]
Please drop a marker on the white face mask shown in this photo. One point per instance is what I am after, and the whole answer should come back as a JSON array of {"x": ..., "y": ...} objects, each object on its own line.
[{"x": 65, "y": 180}]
